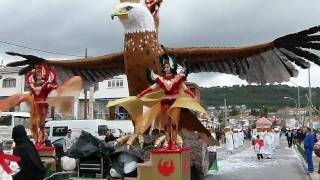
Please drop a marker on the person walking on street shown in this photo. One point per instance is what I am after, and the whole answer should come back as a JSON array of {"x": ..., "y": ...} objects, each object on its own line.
[
  {"x": 276, "y": 143},
  {"x": 268, "y": 144},
  {"x": 308, "y": 148},
  {"x": 218, "y": 135},
  {"x": 68, "y": 141},
  {"x": 258, "y": 144},
  {"x": 289, "y": 135},
  {"x": 249, "y": 135},
  {"x": 229, "y": 141}
]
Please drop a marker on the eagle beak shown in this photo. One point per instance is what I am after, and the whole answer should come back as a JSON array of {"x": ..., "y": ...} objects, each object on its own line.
[{"x": 121, "y": 13}]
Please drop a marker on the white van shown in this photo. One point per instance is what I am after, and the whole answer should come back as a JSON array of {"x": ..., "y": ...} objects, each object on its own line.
[
  {"x": 125, "y": 126},
  {"x": 8, "y": 120},
  {"x": 57, "y": 129}
]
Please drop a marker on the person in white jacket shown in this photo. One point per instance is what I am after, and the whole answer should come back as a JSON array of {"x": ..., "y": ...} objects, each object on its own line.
[
  {"x": 236, "y": 139},
  {"x": 241, "y": 137},
  {"x": 229, "y": 142},
  {"x": 268, "y": 149},
  {"x": 276, "y": 143}
]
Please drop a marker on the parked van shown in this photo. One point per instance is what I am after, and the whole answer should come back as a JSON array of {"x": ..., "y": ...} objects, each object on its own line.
[
  {"x": 120, "y": 126},
  {"x": 57, "y": 129},
  {"x": 8, "y": 120}
]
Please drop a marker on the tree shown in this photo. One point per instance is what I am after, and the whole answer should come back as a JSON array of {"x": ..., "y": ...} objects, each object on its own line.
[{"x": 234, "y": 112}]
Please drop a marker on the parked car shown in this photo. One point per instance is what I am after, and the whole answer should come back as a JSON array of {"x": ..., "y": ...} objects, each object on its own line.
[
  {"x": 116, "y": 132},
  {"x": 7, "y": 146},
  {"x": 57, "y": 129},
  {"x": 8, "y": 120}
]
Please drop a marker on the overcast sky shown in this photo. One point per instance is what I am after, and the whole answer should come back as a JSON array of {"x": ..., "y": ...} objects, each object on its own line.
[{"x": 73, "y": 25}]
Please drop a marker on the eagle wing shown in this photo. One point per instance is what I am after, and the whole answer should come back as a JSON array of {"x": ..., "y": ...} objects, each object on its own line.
[
  {"x": 91, "y": 70},
  {"x": 263, "y": 63}
]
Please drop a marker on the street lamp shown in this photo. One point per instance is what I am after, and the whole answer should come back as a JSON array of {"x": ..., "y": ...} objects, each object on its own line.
[
  {"x": 295, "y": 102},
  {"x": 298, "y": 101}
]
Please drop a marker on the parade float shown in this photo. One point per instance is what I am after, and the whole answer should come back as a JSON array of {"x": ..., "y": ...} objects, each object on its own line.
[
  {"x": 41, "y": 81},
  {"x": 271, "y": 62}
]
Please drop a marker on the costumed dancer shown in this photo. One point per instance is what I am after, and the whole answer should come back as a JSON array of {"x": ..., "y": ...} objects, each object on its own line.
[
  {"x": 276, "y": 143},
  {"x": 229, "y": 140},
  {"x": 241, "y": 137},
  {"x": 165, "y": 98},
  {"x": 258, "y": 146},
  {"x": 41, "y": 81},
  {"x": 268, "y": 145},
  {"x": 236, "y": 138}
]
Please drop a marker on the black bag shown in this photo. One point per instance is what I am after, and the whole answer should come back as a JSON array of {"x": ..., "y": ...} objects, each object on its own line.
[{"x": 87, "y": 145}]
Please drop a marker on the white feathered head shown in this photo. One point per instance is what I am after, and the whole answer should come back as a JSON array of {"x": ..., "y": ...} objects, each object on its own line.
[{"x": 134, "y": 17}]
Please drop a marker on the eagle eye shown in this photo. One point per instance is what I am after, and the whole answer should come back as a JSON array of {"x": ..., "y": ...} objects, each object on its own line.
[{"x": 128, "y": 8}]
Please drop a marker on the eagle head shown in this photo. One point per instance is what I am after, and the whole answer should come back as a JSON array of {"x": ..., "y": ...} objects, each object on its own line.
[{"x": 134, "y": 17}]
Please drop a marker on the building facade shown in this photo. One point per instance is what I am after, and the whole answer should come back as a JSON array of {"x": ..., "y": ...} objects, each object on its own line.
[{"x": 97, "y": 99}]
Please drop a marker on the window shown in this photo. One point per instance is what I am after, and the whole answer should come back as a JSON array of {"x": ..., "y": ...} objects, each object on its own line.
[
  {"x": 60, "y": 131},
  {"x": 115, "y": 83},
  {"x": 47, "y": 129},
  {"x": 102, "y": 129},
  {"x": 24, "y": 121},
  {"x": 5, "y": 120},
  {"x": 7, "y": 145},
  {"x": 26, "y": 87},
  {"x": 9, "y": 83}
]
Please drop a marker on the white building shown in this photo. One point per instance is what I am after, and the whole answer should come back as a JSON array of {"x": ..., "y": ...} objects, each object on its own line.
[
  {"x": 105, "y": 91},
  {"x": 11, "y": 83}
]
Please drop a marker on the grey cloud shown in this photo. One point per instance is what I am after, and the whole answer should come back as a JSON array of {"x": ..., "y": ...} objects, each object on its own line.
[{"x": 70, "y": 26}]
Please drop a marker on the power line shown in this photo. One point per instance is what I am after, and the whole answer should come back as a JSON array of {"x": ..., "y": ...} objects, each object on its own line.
[{"x": 49, "y": 52}]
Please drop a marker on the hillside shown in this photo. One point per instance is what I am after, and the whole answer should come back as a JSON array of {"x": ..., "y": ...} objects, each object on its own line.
[{"x": 257, "y": 96}]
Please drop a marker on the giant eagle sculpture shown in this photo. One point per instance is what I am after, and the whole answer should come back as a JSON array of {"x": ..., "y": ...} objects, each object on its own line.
[{"x": 271, "y": 62}]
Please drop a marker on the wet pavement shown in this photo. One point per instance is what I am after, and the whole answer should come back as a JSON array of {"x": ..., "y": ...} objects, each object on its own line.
[{"x": 244, "y": 165}]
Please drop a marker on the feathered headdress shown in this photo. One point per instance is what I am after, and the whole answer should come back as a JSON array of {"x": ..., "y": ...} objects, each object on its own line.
[
  {"x": 168, "y": 59},
  {"x": 131, "y": 1},
  {"x": 171, "y": 60}
]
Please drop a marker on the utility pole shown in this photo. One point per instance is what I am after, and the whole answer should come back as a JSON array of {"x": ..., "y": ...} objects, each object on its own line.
[
  {"x": 310, "y": 103},
  {"x": 225, "y": 112},
  {"x": 85, "y": 92},
  {"x": 299, "y": 104},
  {"x": 91, "y": 101}
]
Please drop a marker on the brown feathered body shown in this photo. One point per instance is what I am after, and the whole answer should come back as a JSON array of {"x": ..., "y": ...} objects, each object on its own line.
[{"x": 141, "y": 52}]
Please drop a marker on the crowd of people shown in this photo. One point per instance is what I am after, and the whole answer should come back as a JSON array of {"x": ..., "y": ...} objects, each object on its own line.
[
  {"x": 266, "y": 142},
  {"x": 297, "y": 136},
  {"x": 234, "y": 138}
]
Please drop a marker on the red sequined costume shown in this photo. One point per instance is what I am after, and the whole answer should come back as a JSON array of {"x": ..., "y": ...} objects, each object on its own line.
[
  {"x": 41, "y": 81},
  {"x": 170, "y": 83}
]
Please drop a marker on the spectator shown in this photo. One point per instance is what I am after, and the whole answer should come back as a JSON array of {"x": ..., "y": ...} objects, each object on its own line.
[
  {"x": 109, "y": 136},
  {"x": 68, "y": 141},
  {"x": 31, "y": 167},
  {"x": 289, "y": 135},
  {"x": 218, "y": 135},
  {"x": 308, "y": 148},
  {"x": 249, "y": 135},
  {"x": 300, "y": 136}
]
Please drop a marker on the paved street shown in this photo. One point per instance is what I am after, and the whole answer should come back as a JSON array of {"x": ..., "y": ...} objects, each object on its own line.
[{"x": 243, "y": 165}]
